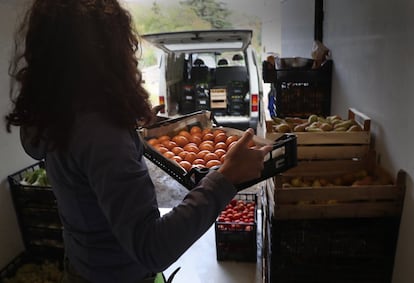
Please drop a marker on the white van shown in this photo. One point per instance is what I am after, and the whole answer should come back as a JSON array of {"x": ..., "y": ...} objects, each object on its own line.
[{"x": 215, "y": 70}]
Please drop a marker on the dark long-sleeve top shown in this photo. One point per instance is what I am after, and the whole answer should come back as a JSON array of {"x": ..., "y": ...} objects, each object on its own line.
[{"x": 113, "y": 231}]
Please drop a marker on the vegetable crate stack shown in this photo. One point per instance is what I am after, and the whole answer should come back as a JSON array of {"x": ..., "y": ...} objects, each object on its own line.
[
  {"x": 236, "y": 229},
  {"x": 36, "y": 211},
  {"x": 335, "y": 216}
]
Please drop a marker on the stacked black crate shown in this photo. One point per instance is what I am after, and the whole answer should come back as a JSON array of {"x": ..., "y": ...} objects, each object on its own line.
[
  {"x": 237, "y": 102},
  {"x": 202, "y": 97},
  {"x": 37, "y": 213},
  {"x": 187, "y": 100}
]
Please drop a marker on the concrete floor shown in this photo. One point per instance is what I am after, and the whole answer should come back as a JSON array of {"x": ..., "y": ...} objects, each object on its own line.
[
  {"x": 199, "y": 263},
  {"x": 169, "y": 191}
]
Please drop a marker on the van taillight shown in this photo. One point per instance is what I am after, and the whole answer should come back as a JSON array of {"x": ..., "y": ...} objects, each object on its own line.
[
  {"x": 162, "y": 101},
  {"x": 255, "y": 103}
]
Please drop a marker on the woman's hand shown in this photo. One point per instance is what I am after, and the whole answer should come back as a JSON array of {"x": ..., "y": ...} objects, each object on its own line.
[{"x": 243, "y": 163}]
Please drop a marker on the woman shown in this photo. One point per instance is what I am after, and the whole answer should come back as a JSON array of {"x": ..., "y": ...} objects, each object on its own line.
[{"x": 79, "y": 96}]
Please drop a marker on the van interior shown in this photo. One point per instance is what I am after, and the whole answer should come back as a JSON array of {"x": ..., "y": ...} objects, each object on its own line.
[{"x": 216, "y": 81}]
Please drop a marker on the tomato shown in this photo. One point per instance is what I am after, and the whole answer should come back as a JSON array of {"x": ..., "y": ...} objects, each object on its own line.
[{"x": 180, "y": 140}]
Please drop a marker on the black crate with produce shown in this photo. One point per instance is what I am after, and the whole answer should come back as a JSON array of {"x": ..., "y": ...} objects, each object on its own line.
[
  {"x": 236, "y": 229},
  {"x": 37, "y": 212}
]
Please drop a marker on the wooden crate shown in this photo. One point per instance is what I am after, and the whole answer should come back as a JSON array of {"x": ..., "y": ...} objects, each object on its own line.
[
  {"x": 331, "y": 145},
  {"x": 218, "y": 98},
  {"x": 338, "y": 201}
]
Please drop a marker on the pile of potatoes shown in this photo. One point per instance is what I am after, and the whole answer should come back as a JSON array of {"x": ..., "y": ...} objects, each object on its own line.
[{"x": 315, "y": 123}]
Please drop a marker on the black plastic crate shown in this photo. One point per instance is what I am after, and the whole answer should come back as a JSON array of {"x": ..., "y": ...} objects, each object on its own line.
[
  {"x": 37, "y": 214},
  {"x": 45, "y": 259},
  {"x": 29, "y": 195},
  {"x": 282, "y": 158},
  {"x": 333, "y": 250},
  {"x": 237, "y": 240},
  {"x": 300, "y": 93}
]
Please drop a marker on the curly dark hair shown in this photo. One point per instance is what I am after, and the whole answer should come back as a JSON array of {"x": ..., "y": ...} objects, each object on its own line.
[{"x": 74, "y": 56}]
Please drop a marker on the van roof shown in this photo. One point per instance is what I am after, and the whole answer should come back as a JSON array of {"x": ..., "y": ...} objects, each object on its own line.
[{"x": 201, "y": 40}]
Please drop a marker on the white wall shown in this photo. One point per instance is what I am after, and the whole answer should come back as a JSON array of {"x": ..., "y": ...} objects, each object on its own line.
[
  {"x": 12, "y": 157},
  {"x": 372, "y": 44},
  {"x": 297, "y": 28}
]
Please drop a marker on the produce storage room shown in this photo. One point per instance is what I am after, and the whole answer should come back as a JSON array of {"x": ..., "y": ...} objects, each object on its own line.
[{"x": 341, "y": 213}]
